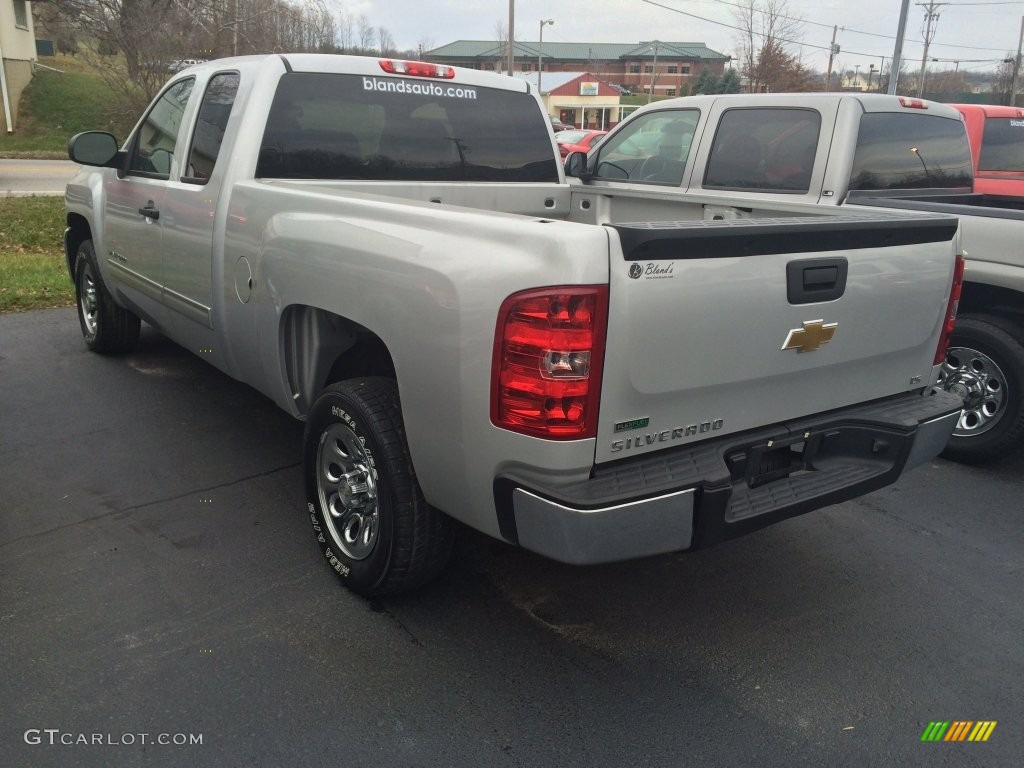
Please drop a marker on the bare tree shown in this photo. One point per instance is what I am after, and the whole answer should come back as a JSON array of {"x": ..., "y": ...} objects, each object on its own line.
[
  {"x": 386, "y": 42},
  {"x": 366, "y": 33},
  {"x": 50, "y": 24},
  {"x": 767, "y": 33},
  {"x": 1004, "y": 80},
  {"x": 345, "y": 33},
  {"x": 947, "y": 83},
  {"x": 501, "y": 36},
  {"x": 136, "y": 44},
  {"x": 424, "y": 44}
]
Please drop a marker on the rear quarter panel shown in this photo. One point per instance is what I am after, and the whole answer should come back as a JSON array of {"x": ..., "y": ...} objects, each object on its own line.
[{"x": 428, "y": 280}]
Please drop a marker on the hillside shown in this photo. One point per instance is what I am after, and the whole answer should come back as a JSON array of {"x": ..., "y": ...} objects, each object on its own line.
[{"x": 57, "y": 105}]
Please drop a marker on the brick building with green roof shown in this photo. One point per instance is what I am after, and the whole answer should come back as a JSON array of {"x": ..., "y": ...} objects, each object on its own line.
[{"x": 672, "y": 68}]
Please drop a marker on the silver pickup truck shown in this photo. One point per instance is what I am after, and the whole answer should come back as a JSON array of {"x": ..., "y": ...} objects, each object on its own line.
[
  {"x": 746, "y": 154},
  {"x": 390, "y": 251}
]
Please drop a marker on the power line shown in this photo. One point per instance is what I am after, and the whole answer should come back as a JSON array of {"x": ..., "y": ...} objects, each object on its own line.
[
  {"x": 851, "y": 30},
  {"x": 805, "y": 44}
]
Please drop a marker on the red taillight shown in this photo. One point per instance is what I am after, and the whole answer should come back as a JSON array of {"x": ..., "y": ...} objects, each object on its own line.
[
  {"x": 950, "y": 319},
  {"x": 548, "y": 356},
  {"x": 416, "y": 69},
  {"x": 909, "y": 103}
]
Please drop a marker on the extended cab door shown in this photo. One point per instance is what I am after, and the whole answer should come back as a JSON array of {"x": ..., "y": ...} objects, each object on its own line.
[
  {"x": 135, "y": 200},
  {"x": 773, "y": 152},
  {"x": 192, "y": 200}
]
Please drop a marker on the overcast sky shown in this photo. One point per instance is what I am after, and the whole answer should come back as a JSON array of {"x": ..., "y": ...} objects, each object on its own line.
[{"x": 976, "y": 33}]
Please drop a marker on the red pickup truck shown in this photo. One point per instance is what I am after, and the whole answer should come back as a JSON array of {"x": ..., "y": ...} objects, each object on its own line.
[{"x": 996, "y": 135}]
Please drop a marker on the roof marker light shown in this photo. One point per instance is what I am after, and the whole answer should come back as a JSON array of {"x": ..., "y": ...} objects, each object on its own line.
[{"x": 416, "y": 69}]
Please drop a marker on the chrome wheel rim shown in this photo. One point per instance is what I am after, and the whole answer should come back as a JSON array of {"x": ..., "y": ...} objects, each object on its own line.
[
  {"x": 88, "y": 302},
  {"x": 347, "y": 485},
  {"x": 976, "y": 378}
]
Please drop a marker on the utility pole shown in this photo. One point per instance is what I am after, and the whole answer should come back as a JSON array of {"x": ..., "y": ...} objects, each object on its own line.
[
  {"x": 897, "y": 52},
  {"x": 511, "y": 37},
  {"x": 1016, "y": 66},
  {"x": 654, "y": 71},
  {"x": 540, "y": 54},
  {"x": 831, "y": 52},
  {"x": 931, "y": 20}
]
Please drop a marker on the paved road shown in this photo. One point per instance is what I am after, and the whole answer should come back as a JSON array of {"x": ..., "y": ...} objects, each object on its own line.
[
  {"x": 35, "y": 177},
  {"x": 157, "y": 576}
]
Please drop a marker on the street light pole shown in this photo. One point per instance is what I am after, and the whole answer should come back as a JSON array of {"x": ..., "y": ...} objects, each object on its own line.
[{"x": 540, "y": 54}]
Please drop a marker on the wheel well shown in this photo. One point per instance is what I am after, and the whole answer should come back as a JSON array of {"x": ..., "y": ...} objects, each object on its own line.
[
  {"x": 78, "y": 232},
  {"x": 320, "y": 348},
  {"x": 992, "y": 300}
]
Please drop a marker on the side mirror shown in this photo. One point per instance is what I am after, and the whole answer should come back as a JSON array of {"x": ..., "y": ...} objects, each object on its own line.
[
  {"x": 576, "y": 165},
  {"x": 93, "y": 148}
]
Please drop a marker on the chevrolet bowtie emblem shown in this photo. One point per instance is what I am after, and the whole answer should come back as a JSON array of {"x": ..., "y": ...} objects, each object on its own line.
[{"x": 811, "y": 336}]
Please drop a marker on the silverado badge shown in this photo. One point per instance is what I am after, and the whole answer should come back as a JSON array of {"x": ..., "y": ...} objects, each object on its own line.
[{"x": 811, "y": 336}]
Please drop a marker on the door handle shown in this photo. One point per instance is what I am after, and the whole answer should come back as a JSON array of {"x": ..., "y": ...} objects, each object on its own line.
[{"x": 150, "y": 212}]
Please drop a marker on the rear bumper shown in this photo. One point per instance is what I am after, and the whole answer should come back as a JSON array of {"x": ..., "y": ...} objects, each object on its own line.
[{"x": 695, "y": 496}]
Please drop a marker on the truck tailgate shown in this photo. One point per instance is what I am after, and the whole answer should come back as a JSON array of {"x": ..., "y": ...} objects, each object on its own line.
[{"x": 722, "y": 326}]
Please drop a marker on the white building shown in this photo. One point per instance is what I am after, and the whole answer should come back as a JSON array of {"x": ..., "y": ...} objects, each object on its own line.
[{"x": 17, "y": 54}]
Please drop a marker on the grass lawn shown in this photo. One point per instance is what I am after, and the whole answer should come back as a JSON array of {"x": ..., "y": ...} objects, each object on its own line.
[
  {"x": 56, "y": 106},
  {"x": 33, "y": 274}
]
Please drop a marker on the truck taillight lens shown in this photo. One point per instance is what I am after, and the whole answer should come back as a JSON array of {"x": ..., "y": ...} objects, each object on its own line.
[
  {"x": 548, "y": 357},
  {"x": 951, "y": 307},
  {"x": 909, "y": 103},
  {"x": 416, "y": 69}
]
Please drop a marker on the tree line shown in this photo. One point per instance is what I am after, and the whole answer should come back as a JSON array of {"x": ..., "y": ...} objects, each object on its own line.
[{"x": 135, "y": 43}]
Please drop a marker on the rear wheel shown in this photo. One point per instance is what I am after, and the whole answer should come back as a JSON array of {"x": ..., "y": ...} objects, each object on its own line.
[
  {"x": 106, "y": 327},
  {"x": 985, "y": 366},
  {"x": 375, "y": 528}
]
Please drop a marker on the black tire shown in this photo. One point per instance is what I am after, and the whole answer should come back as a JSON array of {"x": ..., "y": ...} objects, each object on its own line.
[
  {"x": 106, "y": 327},
  {"x": 985, "y": 365},
  {"x": 382, "y": 537}
]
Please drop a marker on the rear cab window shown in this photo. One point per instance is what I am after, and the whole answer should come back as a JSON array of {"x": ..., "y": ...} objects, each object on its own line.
[
  {"x": 936, "y": 156},
  {"x": 1002, "y": 145},
  {"x": 764, "y": 150},
  {"x": 211, "y": 123},
  {"x": 351, "y": 127}
]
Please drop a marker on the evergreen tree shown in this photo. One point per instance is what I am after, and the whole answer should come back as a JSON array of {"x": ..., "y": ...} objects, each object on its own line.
[
  {"x": 730, "y": 82},
  {"x": 706, "y": 82}
]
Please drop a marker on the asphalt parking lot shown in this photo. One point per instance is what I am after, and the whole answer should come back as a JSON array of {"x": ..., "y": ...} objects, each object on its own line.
[{"x": 158, "y": 577}]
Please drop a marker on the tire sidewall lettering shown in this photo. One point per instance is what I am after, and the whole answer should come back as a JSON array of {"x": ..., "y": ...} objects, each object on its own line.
[
  {"x": 340, "y": 413},
  {"x": 360, "y": 574}
]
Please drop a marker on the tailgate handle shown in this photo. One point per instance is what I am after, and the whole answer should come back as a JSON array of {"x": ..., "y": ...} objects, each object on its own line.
[{"x": 813, "y": 280}]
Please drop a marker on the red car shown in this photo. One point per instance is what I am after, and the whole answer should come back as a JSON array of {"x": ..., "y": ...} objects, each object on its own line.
[
  {"x": 996, "y": 135},
  {"x": 577, "y": 140}
]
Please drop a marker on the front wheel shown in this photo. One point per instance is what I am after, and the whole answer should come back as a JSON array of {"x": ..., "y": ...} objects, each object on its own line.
[
  {"x": 368, "y": 513},
  {"x": 985, "y": 366},
  {"x": 106, "y": 327}
]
